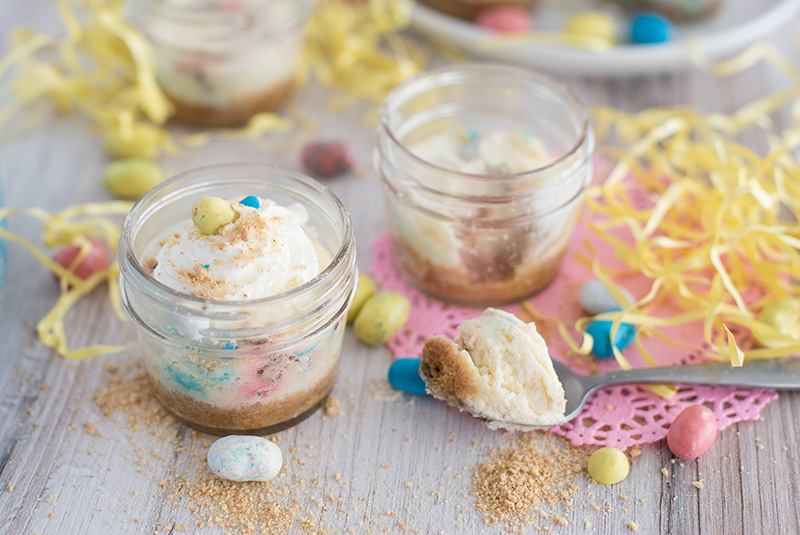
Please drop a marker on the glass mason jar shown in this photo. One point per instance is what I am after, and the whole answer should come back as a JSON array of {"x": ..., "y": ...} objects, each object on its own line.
[
  {"x": 479, "y": 239},
  {"x": 223, "y": 61},
  {"x": 246, "y": 366}
]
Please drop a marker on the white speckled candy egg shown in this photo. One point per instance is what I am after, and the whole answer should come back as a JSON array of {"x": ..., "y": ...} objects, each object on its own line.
[
  {"x": 595, "y": 299},
  {"x": 245, "y": 458}
]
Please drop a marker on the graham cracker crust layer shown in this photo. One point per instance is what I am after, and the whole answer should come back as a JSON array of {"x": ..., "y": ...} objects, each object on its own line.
[
  {"x": 476, "y": 286},
  {"x": 236, "y": 113},
  {"x": 271, "y": 415}
]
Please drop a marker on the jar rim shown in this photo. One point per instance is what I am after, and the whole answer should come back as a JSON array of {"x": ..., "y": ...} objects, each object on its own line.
[
  {"x": 129, "y": 263},
  {"x": 481, "y": 70}
]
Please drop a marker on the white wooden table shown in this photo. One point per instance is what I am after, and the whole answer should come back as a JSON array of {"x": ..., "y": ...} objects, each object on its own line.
[{"x": 412, "y": 458}]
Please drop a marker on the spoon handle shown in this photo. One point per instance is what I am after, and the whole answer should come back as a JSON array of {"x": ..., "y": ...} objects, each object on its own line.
[{"x": 779, "y": 373}]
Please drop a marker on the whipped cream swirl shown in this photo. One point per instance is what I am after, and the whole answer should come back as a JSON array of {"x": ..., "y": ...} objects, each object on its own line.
[{"x": 266, "y": 251}]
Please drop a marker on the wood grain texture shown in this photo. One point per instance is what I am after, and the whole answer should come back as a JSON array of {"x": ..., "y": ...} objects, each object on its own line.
[{"x": 92, "y": 484}]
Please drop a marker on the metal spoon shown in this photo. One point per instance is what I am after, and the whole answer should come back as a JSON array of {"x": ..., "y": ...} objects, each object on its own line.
[{"x": 778, "y": 374}]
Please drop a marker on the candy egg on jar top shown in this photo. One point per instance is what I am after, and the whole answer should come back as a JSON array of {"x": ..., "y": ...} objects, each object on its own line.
[{"x": 222, "y": 61}]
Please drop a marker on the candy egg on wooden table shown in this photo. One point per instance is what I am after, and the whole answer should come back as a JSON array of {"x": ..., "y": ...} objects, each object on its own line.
[
  {"x": 95, "y": 260},
  {"x": 692, "y": 432},
  {"x": 608, "y": 466},
  {"x": 245, "y": 458},
  {"x": 326, "y": 159},
  {"x": 381, "y": 317},
  {"x": 404, "y": 375},
  {"x": 131, "y": 178},
  {"x": 364, "y": 290}
]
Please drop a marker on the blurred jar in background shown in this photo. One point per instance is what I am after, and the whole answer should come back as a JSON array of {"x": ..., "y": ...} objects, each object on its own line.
[{"x": 223, "y": 61}]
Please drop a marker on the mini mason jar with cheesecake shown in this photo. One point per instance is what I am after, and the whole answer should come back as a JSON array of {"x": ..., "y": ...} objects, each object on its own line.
[
  {"x": 221, "y": 61},
  {"x": 483, "y": 167},
  {"x": 239, "y": 278}
]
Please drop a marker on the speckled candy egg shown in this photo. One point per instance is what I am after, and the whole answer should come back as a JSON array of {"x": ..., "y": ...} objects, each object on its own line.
[
  {"x": 608, "y": 466},
  {"x": 597, "y": 25},
  {"x": 325, "y": 159},
  {"x": 381, "y": 317},
  {"x": 651, "y": 29},
  {"x": 245, "y": 458},
  {"x": 364, "y": 290},
  {"x": 505, "y": 19},
  {"x": 96, "y": 260},
  {"x": 595, "y": 298},
  {"x": 600, "y": 331},
  {"x": 404, "y": 375},
  {"x": 131, "y": 178},
  {"x": 781, "y": 314},
  {"x": 209, "y": 214},
  {"x": 692, "y": 432}
]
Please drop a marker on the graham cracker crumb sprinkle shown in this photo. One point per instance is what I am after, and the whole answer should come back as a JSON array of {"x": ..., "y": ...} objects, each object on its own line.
[
  {"x": 664, "y": 472},
  {"x": 517, "y": 481},
  {"x": 280, "y": 506},
  {"x": 697, "y": 484},
  {"x": 332, "y": 406},
  {"x": 635, "y": 452},
  {"x": 633, "y": 526}
]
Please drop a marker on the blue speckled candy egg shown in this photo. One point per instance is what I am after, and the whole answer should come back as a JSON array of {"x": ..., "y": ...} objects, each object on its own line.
[
  {"x": 245, "y": 458},
  {"x": 650, "y": 29},
  {"x": 404, "y": 375},
  {"x": 600, "y": 330}
]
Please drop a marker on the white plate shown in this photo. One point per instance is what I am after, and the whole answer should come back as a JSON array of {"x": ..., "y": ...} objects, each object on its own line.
[{"x": 736, "y": 24}]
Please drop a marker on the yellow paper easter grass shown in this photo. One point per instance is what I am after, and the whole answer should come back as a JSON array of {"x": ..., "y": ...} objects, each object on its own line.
[
  {"x": 102, "y": 68},
  {"x": 721, "y": 236},
  {"x": 355, "y": 47},
  {"x": 74, "y": 225}
]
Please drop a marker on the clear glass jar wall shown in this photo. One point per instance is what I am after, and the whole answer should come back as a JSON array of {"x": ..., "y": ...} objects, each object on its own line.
[
  {"x": 482, "y": 239},
  {"x": 221, "y": 62},
  {"x": 252, "y": 366}
]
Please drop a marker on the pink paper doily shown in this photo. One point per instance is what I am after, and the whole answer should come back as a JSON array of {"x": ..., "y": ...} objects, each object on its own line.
[{"x": 620, "y": 416}]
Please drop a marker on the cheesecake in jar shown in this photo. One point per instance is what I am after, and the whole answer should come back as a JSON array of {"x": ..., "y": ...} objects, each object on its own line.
[
  {"x": 240, "y": 321},
  {"x": 483, "y": 169},
  {"x": 222, "y": 61}
]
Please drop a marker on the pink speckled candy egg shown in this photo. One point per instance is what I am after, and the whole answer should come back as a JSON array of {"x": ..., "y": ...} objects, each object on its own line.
[
  {"x": 95, "y": 261},
  {"x": 692, "y": 432},
  {"x": 506, "y": 19}
]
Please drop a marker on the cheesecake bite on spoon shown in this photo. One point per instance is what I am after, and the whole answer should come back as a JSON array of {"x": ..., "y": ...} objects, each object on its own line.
[{"x": 498, "y": 369}]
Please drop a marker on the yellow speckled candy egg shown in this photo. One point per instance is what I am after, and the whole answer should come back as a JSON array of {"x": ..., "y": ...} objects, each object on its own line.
[
  {"x": 381, "y": 317},
  {"x": 131, "y": 178},
  {"x": 365, "y": 290},
  {"x": 593, "y": 24},
  {"x": 209, "y": 214},
  {"x": 140, "y": 141},
  {"x": 608, "y": 466},
  {"x": 783, "y": 315}
]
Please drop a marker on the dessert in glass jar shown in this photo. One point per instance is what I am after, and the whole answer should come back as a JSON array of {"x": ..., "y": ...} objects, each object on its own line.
[
  {"x": 239, "y": 278},
  {"x": 483, "y": 168},
  {"x": 222, "y": 61}
]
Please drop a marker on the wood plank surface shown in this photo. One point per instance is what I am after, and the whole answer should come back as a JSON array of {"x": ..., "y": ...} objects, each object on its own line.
[{"x": 66, "y": 468}]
